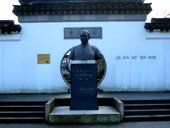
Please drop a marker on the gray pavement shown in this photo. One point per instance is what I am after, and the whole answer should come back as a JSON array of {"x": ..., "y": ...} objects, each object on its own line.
[
  {"x": 119, "y": 95},
  {"x": 122, "y": 125}
]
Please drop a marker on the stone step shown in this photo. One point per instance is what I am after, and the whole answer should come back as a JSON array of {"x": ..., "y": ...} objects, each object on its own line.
[
  {"x": 22, "y": 108},
  {"x": 22, "y": 113},
  {"x": 155, "y": 101},
  {"x": 138, "y": 118},
  {"x": 147, "y": 112},
  {"x": 146, "y": 106},
  {"x": 7, "y": 103},
  {"x": 22, "y": 119}
]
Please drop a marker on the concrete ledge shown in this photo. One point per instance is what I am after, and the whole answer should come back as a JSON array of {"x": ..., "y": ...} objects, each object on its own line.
[
  {"x": 49, "y": 107},
  {"x": 157, "y": 35},
  {"x": 119, "y": 105},
  {"x": 10, "y": 37},
  {"x": 63, "y": 114}
]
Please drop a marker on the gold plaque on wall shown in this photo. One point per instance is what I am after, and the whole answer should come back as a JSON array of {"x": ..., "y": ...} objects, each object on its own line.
[{"x": 43, "y": 58}]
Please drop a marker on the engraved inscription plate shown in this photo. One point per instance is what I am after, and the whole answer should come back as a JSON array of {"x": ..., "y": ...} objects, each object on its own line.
[
  {"x": 74, "y": 33},
  {"x": 83, "y": 87},
  {"x": 43, "y": 58}
]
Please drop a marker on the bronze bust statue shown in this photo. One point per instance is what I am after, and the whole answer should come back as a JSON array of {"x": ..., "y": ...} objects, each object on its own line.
[{"x": 85, "y": 51}]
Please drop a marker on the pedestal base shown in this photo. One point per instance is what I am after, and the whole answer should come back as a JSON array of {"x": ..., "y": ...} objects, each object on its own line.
[{"x": 63, "y": 114}]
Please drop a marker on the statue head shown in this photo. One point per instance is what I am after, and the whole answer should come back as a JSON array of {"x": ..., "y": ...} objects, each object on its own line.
[{"x": 84, "y": 36}]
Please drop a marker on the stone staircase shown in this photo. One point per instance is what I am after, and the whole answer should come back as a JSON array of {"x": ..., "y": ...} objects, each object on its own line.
[
  {"x": 134, "y": 110},
  {"x": 22, "y": 112},
  {"x": 146, "y": 110}
]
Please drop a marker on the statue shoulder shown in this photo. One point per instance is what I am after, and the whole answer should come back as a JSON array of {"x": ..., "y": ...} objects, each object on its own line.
[
  {"x": 94, "y": 47},
  {"x": 75, "y": 47}
]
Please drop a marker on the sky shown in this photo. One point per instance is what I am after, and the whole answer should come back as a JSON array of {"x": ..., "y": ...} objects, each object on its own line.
[
  {"x": 6, "y": 7},
  {"x": 160, "y": 9}
]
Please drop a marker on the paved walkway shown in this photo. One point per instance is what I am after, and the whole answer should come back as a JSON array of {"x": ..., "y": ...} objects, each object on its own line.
[
  {"x": 122, "y": 125},
  {"x": 119, "y": 95}
]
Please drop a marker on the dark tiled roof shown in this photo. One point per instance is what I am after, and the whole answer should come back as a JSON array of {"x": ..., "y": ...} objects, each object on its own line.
[
  {"x": 162, "y": 24},
  {"x": 97, "y": 7},
  {"x": 8, "y": 26}
]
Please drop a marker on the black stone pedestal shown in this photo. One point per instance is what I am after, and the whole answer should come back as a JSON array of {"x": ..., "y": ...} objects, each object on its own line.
[{"x": 83, "y": 86}]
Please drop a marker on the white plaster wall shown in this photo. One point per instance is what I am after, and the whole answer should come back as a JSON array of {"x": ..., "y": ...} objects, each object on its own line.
[
  {"x": 127, "y": 40},
  {"x": 20, "y": 73},
  {"x": 1, "y": 68},
  {"x": 167, "y": 64}
]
